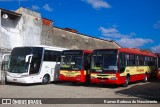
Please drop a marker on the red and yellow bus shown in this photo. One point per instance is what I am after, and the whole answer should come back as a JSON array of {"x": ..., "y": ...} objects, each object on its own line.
[
  {"x": 75, "y": 65},
  {"x": 122, "y": 65}
]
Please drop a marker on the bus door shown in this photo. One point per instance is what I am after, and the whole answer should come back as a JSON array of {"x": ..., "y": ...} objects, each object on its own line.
[{"x": 87, "y": 65}]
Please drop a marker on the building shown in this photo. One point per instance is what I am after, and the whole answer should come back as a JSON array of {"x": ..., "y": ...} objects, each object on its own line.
[
  {"x": 70, "y": 38},
  {"x": 26, "y": 27}
]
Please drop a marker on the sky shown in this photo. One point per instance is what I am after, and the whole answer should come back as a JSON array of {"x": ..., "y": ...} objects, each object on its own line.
[{"x": 130, "y": 23}]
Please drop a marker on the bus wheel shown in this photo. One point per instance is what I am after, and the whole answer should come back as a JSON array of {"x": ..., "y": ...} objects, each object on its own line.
[
  {"x": 126, "y": 81},
  {"x": 45, "y": 79},
  {"x": 145, "y": 78}
]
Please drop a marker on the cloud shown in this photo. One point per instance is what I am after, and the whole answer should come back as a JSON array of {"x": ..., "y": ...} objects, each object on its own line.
[
  {"x": 35, "y": 7},
  {"x": 156, "y": 49},
  {"x": 112, "y": 32},
  {"x": 157, "y": 25},
  {"x": 47, "y": 8},
  {"x": 125, "y": 40},
  {"x": 97, "y": 4},
  {"x": 133, "y": 42}
]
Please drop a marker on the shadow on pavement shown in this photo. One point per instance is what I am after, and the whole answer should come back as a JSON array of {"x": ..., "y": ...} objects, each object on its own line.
[
  {"x": 85, "y": 85},
  {"x": 146, "y": 91}
]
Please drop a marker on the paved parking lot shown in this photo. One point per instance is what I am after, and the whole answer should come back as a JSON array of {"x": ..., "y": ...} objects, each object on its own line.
[{"x": 68, "y": 90}]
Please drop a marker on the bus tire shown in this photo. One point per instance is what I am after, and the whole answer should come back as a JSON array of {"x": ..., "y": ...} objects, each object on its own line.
[
  {"x": 46, "y": 79},
  {"x": 145, "y": 77},
  {"x": 126, "y": 81}
]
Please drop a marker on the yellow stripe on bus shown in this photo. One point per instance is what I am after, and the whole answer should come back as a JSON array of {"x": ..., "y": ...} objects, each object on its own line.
[
  {"x": 134, "y": 70},
  {"x": 67, "y": 73}
]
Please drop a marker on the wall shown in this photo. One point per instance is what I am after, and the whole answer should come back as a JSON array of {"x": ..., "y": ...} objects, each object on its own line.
[
  {"x": 22, "y": 31},
  {"x": 10, "y": 35},
  {"x": 46, "y": 35},
  {"x": 31, "y": 26},
  {"x": 54, "y": 36},
  {"x": 78, "y": 41}
]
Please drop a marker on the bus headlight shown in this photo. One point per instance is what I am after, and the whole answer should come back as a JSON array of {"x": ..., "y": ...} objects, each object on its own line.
[
  {"x": 113, "y": 78},
  {"x": 24, "y": 75}
]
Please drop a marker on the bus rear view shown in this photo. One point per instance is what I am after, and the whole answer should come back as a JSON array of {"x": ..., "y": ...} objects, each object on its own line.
[{"x": 75, "y": 65}]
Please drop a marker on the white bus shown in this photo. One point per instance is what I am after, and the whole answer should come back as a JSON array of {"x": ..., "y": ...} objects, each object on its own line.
[{"x": 34, "y": 64}]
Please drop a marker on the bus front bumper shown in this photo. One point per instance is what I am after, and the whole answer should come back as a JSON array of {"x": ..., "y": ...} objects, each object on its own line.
[
  {"x": 24, "y": 80},
  {"x": 104, "y": 81},
  {"x": 71, "y": 79}
]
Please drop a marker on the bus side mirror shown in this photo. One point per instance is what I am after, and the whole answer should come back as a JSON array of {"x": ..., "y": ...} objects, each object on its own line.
[{"x": 28, "y": 58}]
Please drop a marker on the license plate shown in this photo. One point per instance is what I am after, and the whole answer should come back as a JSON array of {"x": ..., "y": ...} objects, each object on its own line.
[
  {"x": 14, "y": 79},
  {"x": 102, "y": 80}
]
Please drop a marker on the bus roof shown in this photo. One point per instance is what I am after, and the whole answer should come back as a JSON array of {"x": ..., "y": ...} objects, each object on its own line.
[
  {"x": 46, "y": 47},
  {"x": 85, "y": 51},
  {"x": 133, "y": 51},
  {"x": 137, "y": 51}
]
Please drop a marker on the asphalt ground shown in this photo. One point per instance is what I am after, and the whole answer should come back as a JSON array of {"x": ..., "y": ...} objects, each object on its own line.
[{"x": 139, "y": 90}]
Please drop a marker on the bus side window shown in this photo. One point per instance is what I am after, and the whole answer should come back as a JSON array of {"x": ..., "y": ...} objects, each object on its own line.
[
  {"x": 58, "y": 59},
  {"x": 123, "y": 62},
  {"x": 137, "y": 60},
  {"x": 141, "y": 60},
  {"x": 58, "y": 55},
  {"x": 52, "y": 56}
]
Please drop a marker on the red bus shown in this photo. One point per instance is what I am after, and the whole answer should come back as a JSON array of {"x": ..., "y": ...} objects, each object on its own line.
[
  {"x": 75, "y": 65},
  {"x": 122, "y": 65}
]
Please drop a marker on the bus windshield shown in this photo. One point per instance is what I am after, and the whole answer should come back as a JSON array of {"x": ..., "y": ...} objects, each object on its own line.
[
  {"x": 106, "y": 61},
  {"x": 73, "y": 62},
  {"x": 17, "y": 63}
]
